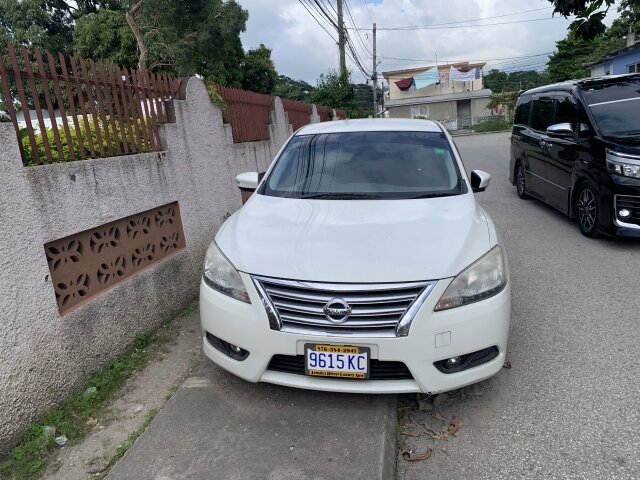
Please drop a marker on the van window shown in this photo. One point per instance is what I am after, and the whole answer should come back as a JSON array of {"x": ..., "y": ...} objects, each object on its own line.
[
  {"x": 541, "y": 114},
  {"x": 615, "y": 106},
  {"x": 522, "y": 111},
  {"x": 566, "y": 110}
]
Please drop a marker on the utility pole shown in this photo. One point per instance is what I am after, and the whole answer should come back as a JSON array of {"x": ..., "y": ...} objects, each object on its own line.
[
  {"x": 374, "y": 77},
  {"x": 341, "y": 41}
]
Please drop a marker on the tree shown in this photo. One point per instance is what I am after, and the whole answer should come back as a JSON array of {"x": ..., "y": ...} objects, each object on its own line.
[
  {"x": 507, "y": 100},
  {"x": 496, "y": 80},
  {"x": 105, "y": 36},
  {"x": 575, "y": 50},
  {"x": 36, "y": 23},
  {"x": 298, "y": 90},
  {"x": 186, "y": 37},
  {"x": 258, "y": 71},
  {"x": 335, "y": 91},
  {"x": 590, "y": 14}
]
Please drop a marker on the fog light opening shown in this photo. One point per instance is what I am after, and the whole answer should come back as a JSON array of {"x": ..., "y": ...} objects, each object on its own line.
[
  {"x": 229, "y": 349},
  {"x": 454, "y": 362},
  {"x": 469, "y": 360},
  {"x": 624, "y": 213}
]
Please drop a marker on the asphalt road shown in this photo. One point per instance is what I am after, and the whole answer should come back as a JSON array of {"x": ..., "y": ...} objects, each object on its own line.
[{"x": 570, "y": 405}]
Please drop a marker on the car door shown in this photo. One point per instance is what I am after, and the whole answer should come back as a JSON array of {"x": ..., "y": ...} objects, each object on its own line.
[
  {"x": 561, "y": 154},
  {"x": 541, "y": 118}
]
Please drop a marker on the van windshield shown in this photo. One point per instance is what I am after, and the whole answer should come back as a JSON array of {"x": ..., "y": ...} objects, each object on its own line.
[
  {"x": 615, "y": 106},
  {"x": 366, "y": 165}
]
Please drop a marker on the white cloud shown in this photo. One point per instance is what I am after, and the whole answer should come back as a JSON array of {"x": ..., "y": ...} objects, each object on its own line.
[{"x": 303, "y": 50}]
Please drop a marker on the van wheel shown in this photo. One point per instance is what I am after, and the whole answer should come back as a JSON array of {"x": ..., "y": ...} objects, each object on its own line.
[
  {"x": 588, "y": 210},
  {"x": 521, "y": 181}
]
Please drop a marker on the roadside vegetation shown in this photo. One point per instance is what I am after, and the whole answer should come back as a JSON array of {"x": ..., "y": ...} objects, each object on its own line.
[
  {"x": 70, "y": 422},
  {"x": 492, "y": 126}
]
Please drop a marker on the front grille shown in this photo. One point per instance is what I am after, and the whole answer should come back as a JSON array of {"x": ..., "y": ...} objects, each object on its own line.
[
  {"x": 378, "y": 370},
  {"x": 630, "y": 203},
  {"x": 376, "y": 309}
]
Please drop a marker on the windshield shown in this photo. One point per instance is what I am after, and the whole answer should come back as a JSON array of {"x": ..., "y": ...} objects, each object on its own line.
[
  {"x": 366, "y": 165},
  {"x": 615, "y": 106}
]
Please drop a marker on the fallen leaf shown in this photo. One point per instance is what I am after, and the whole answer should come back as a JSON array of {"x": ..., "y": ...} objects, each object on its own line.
[
  {"x": 407, "y": 456},
  {"x": 507, "y": 365},
  {"x": 454, "y": 426},
  {"x": 437, "y": 416}
]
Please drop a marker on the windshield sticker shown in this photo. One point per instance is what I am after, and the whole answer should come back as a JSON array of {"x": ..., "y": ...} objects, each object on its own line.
[{"x": 439, "y": 151}]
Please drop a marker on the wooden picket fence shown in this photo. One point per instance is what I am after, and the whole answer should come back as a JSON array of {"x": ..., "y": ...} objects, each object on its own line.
[{"x": 94, "y": 109}]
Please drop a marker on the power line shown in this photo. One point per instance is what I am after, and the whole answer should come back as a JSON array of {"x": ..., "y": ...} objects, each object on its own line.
[
  {"x": 477, "y": 19},
  {"x": 462, "y": 61},
  {"x": 366, "y": 5},
  {"x": 317, "y": 21},
  {"x": 357, "y": 30},
  {"x": 433, "y": 27}
]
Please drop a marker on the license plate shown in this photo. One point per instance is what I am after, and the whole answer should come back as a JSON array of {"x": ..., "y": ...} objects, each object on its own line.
[{"x": 337, "y": 361}]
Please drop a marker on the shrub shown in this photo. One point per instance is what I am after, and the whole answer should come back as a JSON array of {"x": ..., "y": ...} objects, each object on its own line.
[
  {"x": 120, "y": 135},
  {"x": 492, "y": 126}
]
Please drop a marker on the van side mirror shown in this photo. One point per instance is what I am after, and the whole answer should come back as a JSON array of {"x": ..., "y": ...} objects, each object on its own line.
[
  {"x": 479, "y": 180},
  {"x": 560, "y": 130},
  {"x": 584, "y": 131},
  {"x": 247, "y": 183}
]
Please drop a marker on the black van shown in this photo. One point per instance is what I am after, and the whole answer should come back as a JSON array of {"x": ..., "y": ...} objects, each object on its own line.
[{"x": 576, "y": 146}]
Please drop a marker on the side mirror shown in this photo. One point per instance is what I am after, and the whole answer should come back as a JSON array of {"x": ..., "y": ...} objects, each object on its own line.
[
  {"x": 584, "y": 131},
  {"x": 560, "y": 130},
  {"x": 247, "y": 183},
  {"x": 479, "y": 180}
]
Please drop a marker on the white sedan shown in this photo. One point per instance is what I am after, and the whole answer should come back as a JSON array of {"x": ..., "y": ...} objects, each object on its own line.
[{"x": 362, "y": 263}]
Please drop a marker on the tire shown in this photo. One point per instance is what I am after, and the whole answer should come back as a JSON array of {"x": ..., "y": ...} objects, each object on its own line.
[
  {"x": 521, "y": 181},
  {"x": 588, "y": 209}
]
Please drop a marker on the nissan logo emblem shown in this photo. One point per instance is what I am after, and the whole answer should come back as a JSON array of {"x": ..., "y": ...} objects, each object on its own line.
[{"x": 337, "y": 310}]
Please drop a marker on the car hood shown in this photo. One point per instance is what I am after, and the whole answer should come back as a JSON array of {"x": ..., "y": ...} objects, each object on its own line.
[{"x": 356, "y": 241}]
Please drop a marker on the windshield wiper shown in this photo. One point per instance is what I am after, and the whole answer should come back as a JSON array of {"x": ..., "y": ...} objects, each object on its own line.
[
  {"x": 434, "y": 195},
  {"x": 340, "y": 196}
]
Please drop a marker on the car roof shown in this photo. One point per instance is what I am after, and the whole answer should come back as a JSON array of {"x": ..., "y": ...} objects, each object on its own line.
[
  {"x": 583, "y": 83},
  {"x": 371, "y": 125}
]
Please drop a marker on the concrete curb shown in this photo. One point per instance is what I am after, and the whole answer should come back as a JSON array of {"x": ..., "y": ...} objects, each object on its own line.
[{"x": 389, "y": 450}]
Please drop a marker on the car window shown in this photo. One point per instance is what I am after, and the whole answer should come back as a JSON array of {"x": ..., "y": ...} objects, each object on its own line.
[
  {"x": 366, "y": 164},
  {"x": 542, "y": 113},
  {"x": 615, "y": 106},
  {"x": 522, "y": 111},
  {"x": 566, "y": 110}
]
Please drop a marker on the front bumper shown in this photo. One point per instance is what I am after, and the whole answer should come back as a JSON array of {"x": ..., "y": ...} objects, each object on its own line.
[{"x": 469, "y": 328}]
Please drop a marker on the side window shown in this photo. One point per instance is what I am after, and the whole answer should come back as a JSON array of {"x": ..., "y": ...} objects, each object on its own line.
[
  {"x": 522, "y": 112},
  {"x": 542, "y": 113},
  {"x": 566, "y": 110}
]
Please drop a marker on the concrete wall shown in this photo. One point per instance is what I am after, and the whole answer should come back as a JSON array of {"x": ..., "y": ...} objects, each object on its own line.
[
  {"x": 479, "y": 107},
  {"x": 44, "y": 356}
]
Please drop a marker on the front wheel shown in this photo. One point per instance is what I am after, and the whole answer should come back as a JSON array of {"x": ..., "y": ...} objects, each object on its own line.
[
  {"x": 521, "y": 182},
  {"x": 588, "y": 209}
]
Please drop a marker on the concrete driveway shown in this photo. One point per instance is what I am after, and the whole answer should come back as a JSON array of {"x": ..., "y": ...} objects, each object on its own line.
[{"x": 570, "y": 406}]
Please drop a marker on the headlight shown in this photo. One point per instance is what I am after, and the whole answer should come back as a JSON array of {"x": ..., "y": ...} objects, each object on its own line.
[
  {"x": 482, "y": 279},
  {"x": 623, "y": 164},
  {"x": 220, "y": 275}
]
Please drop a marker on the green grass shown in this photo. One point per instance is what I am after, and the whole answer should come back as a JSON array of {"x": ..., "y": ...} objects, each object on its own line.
[
  {"x": 122, "y": 449},
  {"x": 492, "y": 126},
  {"x": 30, "y": 457},
  {"x": 189, "y": 310}
]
